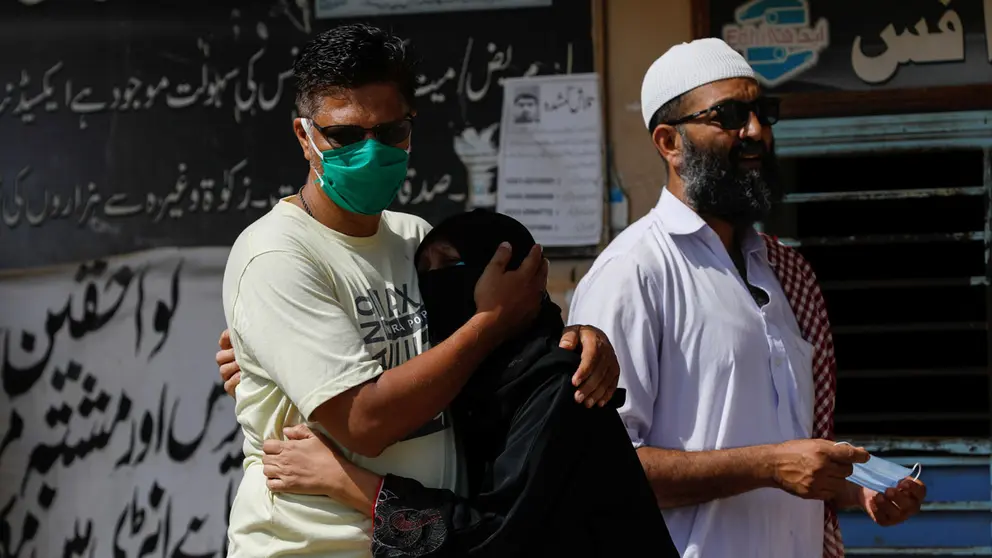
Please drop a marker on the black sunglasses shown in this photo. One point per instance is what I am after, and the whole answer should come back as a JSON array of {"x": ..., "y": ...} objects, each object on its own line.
[
  {"x": 389, "y": 133},
  {"x": 734, "y": 114}
]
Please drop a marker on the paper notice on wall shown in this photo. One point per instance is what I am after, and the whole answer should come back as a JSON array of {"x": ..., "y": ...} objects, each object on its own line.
[{"x": 551, "y": 158}]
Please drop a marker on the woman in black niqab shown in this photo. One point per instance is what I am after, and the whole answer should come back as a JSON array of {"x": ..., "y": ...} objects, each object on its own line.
[{"x": 546, "y": 475}]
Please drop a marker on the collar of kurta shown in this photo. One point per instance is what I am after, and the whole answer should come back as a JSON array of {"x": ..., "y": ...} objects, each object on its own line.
[{"x": 680, "y": 220}]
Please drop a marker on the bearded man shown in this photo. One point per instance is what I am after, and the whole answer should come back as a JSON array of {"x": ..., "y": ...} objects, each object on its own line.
[{"x": 722, "y": 337}]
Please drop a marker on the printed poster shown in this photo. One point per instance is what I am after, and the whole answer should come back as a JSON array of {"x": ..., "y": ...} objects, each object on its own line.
[{"x": 551, "y": 164}]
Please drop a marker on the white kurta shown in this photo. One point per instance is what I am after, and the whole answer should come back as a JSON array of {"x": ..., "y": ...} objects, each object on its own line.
[{"x": 705, "y": 368}]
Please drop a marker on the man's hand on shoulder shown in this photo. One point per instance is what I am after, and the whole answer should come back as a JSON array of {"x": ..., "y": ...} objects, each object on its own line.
[
  {"x": 599, "y": 370},
  {"x": 230, "y": 372},
  {"x": 510, "y": 300}
]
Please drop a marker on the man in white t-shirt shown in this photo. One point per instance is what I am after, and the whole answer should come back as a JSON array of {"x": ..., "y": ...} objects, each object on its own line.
[{"x": 325, "y": 315}]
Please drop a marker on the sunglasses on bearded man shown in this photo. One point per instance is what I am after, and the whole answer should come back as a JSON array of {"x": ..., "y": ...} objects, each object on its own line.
[{"x": 734, "y": 114}]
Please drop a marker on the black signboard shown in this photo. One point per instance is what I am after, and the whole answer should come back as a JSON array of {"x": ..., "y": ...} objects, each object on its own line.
[
  {"x": 853, "y": 56},
  {"x": 128, "y": 124}
]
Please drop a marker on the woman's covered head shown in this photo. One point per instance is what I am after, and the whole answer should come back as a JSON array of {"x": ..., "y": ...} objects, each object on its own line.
[
  {"x": 452, "y": 258},
  {"x": 473, "y": 238}
]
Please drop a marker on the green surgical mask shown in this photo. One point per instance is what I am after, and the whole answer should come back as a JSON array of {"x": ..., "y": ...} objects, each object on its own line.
[{"x": 362, "y": 177}]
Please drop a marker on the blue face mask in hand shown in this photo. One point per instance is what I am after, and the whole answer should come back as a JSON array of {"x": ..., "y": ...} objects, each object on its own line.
[{"x": 879, "y": 475}]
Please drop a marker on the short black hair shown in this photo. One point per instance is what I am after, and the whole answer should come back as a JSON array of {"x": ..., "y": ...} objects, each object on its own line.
[
  {"x": 525, "y": 95},
  {"x": 669, "y": 111},
  {"x": 348, "y": 57}
]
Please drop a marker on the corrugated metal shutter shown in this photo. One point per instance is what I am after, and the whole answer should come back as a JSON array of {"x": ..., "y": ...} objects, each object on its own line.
[{"x": 894, "y": 214}]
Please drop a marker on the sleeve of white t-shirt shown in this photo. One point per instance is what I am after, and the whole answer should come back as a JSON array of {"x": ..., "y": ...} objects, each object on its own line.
[
  {"x": 288, "y": 318},
  {"x": 618, "y": 298}
]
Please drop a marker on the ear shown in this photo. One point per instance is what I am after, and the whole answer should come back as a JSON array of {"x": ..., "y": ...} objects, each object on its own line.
[
  {"x": 668, "y": 142},
  {"x": 301, "y": 138}
]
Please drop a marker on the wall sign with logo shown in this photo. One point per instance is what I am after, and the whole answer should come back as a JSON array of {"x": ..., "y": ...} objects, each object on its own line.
[{"x": 835, "y": 57}]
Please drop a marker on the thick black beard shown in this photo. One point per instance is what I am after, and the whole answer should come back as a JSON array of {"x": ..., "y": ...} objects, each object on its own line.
[{"x": 717, "y": 186}]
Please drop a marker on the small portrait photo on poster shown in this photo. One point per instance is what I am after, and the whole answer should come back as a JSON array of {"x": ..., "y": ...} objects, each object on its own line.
[{"x": 526, "y": 107}]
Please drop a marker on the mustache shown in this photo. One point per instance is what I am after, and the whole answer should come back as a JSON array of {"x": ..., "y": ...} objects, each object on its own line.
[{"x": 749, "y": 148}]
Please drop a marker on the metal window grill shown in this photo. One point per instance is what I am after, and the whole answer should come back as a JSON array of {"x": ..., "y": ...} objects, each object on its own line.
[
  {"x": 904, "y": 274},
  {"x": 895, "y": 215}
]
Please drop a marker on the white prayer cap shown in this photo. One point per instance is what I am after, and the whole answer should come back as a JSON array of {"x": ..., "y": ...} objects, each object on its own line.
[{"x": 687, "y": 66}]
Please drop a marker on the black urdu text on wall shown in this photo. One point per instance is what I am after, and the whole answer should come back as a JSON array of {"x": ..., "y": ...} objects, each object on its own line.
[{"x": 127, "y": 126}]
